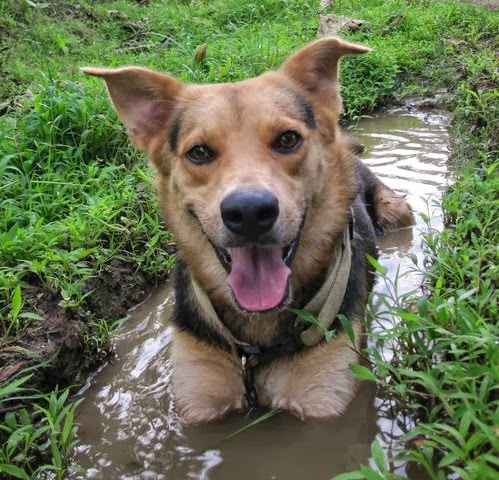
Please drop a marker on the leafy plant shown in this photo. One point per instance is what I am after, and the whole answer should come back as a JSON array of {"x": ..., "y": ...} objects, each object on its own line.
[{"x": 37, "y": 439}]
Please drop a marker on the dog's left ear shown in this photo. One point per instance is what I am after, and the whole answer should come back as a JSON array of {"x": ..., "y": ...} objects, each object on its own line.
[{"x": 315, "y": 66}]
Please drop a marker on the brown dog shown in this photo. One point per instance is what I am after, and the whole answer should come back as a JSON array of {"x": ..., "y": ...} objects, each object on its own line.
[{"x": 270, "y": 210}]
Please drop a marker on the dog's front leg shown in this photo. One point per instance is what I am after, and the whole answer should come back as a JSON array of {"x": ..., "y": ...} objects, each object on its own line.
[
  {"x": 314, "y": 384},
  {"x": 207, "y": 381}
]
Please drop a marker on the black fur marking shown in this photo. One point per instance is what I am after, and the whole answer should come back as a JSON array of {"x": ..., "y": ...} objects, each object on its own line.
[
  {"x": 174, "y": 133},
  {"x": 306, "y": 111},
  {"x": 186, "y": 316},
  {"x": 367, "y": 183}
]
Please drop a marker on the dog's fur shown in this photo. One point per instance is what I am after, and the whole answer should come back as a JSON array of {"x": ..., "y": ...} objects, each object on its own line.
[{"x": 317, "y": 184}]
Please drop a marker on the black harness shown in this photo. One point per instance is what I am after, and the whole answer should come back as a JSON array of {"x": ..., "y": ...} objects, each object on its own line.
[{"x": 252, "y": 356}]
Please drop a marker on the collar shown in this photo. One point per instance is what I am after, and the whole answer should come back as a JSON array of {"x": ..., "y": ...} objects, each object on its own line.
[{"x": 325, "y": 306}]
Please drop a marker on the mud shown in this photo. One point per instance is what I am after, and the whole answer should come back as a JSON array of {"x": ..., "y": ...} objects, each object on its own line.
[
  {"x": 56, "y": 340},
  {"x": 56, "y": 343},
  {"x": 116, "y": 290}
]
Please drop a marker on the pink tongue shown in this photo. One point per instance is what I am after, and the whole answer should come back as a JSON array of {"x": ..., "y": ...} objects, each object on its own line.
[{"x": 259, "y": 277}]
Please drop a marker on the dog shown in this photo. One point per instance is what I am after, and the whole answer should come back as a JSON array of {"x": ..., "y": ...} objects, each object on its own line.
[{"x": 273, "y": 217}]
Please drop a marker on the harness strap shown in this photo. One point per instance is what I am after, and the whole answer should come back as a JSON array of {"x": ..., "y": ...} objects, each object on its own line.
[
  {"x": 211, "y": 316},
  {"x": 326, "y": 304}
]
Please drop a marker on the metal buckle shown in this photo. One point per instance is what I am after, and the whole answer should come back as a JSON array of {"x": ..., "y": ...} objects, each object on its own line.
[{"x": 249, "y": 382}]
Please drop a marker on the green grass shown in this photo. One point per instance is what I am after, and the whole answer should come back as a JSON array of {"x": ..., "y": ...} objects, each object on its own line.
[
  {"x": 73, "y": 189},
  {"x": 38, "y": 429},
  {"x": 439, "y": 361},
  {"x": 76, "y": 199},
  {"x": 443, "y": 370}
]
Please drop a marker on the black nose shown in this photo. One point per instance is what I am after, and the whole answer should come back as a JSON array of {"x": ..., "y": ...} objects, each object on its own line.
[{"x": 250, "y": 212}]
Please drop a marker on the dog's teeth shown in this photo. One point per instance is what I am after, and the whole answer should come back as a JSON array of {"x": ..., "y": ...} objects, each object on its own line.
[
  {"x": 287, "y": 252},
  {"x": 226, "y": 256}
]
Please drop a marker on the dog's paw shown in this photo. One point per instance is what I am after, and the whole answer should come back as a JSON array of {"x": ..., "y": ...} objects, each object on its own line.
[
  {"x": 318, "y": 404},
  {"x": 203, "y": 410}
]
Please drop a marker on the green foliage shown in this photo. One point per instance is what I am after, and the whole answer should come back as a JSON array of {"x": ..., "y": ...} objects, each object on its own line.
[
  {"x": 73, "y": 189},
  {"x": 442, "y": 366},
  {"x": 74, "y": 196},
  {"x": 37, "y": 431},
  {"x": 418, "y": 47},
  {"x": 381, "y": 472},
  {"x": 444, "y": 360}
]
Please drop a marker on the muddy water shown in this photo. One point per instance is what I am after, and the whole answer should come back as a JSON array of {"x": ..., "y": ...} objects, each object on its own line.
[{"x": 129, "y": 429}]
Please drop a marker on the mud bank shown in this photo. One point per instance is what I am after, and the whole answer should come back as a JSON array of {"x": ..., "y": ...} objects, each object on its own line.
[{"x": 65, "y": 343}]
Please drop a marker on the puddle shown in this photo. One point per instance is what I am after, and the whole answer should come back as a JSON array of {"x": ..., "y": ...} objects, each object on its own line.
[
  {"x": 128, "y": 427},
  {"x": 409, "y": 152}
]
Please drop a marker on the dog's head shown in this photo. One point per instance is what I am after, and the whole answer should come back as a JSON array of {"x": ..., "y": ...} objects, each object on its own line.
[{"x": 253, "y": 177}]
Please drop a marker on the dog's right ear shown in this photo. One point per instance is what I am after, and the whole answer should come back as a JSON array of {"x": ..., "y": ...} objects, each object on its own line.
[{"x": 143, "y": 98}]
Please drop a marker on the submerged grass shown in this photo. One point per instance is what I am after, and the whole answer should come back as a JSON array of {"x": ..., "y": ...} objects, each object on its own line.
[{"x": 76, "y": 203}]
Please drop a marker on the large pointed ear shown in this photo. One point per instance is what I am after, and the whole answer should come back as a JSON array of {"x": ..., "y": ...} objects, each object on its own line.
[
  {"x": 144, "y": 99},
  {"x": 315, "y": 66}
]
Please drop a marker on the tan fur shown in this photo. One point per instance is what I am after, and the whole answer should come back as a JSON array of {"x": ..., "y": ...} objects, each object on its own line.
[
  {"x": 207, "y": 382},
  {"x": 317, "y": 178},
  {"x": 317, "y": 383}
]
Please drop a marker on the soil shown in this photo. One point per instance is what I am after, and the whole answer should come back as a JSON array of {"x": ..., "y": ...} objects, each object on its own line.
[
  {"x": 117, "y": 289},
  {"x": 492, "y": 4},
  {"x": 56, "y": 342}
]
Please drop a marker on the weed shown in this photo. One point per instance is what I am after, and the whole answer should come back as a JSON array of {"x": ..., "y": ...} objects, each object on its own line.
[
  {"x": 73, "y": 189},
  {"x": 438, "y": 359},
  {"x": 251, "y": 424},
  {"x": 37, "y": 430}
]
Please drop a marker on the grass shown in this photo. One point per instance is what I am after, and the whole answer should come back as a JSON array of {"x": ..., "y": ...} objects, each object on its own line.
[
  {"x": 77, "y": 207},
  {"x": 38, "y": 429},
  {"x": 72, "y": 190},
  {"x": 442, "y": 368}
]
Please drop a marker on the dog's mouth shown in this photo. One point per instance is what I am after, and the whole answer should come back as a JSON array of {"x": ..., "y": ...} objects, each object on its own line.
[{"x": 258, "y": 275}]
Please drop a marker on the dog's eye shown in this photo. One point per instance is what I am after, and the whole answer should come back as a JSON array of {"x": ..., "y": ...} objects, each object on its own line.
[
  {"x": 200, "y": 154},
  {"x": 287, "y": 142}
]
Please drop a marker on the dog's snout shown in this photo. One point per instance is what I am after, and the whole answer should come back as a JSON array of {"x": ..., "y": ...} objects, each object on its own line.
[{"x": 250, "y": 212}]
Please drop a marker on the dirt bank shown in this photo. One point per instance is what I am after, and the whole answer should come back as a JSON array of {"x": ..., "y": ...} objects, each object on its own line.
[{"x": 65, "y": 343}]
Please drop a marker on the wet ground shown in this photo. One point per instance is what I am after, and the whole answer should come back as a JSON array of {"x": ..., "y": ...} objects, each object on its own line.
[{"x": 129, "y": 429}]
